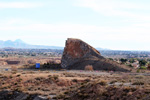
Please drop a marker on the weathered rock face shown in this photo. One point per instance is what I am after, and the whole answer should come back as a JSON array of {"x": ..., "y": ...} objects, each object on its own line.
[
  {"x": 77, "y": 54},
  {"x": 76, "y": 49}
]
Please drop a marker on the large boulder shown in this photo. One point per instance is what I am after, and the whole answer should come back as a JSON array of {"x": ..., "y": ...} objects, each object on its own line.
[{"x": 78, "y": 54}]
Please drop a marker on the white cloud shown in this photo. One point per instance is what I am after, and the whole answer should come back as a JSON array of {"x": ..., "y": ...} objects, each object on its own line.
[
  {"x": 90, "y": 32},
  {"x": 14, "y": 21},
  {"x": 19, "y": 5},
  {"x": 136, "y": 33},
  {"x": 118, "y": 8}
]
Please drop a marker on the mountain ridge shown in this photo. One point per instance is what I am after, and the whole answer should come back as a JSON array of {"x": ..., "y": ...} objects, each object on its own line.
[{"x": 18, "y": 43}]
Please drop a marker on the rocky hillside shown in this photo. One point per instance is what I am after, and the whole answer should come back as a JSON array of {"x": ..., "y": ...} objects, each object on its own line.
[
  {"x": 99, "y": 90},
  {"x": 78, "y": 54}
]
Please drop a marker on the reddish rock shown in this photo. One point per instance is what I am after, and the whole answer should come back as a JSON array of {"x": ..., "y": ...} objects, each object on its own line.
[
  {"x": 76, "y": 48},
  {"x": 78, "y": 54}
]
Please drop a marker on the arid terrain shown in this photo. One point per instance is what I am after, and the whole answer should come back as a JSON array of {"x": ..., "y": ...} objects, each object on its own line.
[
  {"x": 73, "y": 85},
  {"x": 79, "y": 73},
  {"x": 74, "y": 50}
]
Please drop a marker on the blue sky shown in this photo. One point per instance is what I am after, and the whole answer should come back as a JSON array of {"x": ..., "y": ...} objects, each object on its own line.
[{"x": 113, "y": 24}]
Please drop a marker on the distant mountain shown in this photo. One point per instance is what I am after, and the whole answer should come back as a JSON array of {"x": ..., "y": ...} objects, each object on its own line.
[
  {"x": 21, "y": 44},
  {"x": 102, "y": 49}
]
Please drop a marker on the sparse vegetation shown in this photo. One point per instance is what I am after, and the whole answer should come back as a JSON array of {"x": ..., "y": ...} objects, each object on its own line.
[
  {"x": 89, "y": 68},
  {"x": 76, "y": 85},
  {"x": 86, "y": 84}
]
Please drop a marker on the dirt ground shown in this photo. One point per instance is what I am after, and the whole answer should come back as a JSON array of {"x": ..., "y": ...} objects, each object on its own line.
[{"x": 59, "y": 84}]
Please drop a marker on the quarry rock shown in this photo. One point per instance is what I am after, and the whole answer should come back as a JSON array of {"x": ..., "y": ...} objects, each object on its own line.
[{"x": 78, "y": 54}]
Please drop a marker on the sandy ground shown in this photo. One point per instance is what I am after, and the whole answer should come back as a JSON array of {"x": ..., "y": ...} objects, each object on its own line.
[{"x": 50, "y": 83}]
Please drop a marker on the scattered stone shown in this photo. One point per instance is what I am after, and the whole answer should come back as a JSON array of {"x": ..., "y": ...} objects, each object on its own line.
[
  {"x": 40, "y": 98},
  {"x": 22, "y": 96},
  {"x": 14, "y": 95}
]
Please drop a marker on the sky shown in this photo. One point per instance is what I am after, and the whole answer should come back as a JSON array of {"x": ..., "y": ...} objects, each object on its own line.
[{"x": 112, "y": 24}]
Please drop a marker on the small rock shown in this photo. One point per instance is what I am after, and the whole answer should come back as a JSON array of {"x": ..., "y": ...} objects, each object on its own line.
[{"x": 40, "y": 98}]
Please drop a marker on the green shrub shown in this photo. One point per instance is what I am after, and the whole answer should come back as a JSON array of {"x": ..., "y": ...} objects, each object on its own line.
[
  {"x": 130, "y": 65},
  {"x": 138, "y": 83},
  {"x": 138, "y": 70},
  {"x": 114, "y": 81},
  {"x": 103, "y": 82},
  {"x": 75, "y": 80},
  {"x": 55, "y": 77},
  {"x": 143, "y": 67},
  {"x": 110, "y": 59},
  {"x": 142, "y": 62}
]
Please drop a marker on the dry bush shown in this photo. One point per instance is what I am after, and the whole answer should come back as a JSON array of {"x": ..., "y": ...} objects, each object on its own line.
[
  {"x": 31, "y": 61},
  {"x": 88, "y": 68},
  {"x": 50, "y": 62},
  {"x": 103, "y": 82},
  {"x": 148, "y": 67},
  {"x": 138, "y": 83},
  {"x": 57, "y": 61},
  {"x": 13, "y": 68},
  {"x": 3, "y": 63}
]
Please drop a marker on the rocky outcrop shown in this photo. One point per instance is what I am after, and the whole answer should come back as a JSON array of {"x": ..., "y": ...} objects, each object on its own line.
[
  {"x": 76, "y": 49},
  {"x": 78, "y": 54},
  {"x": 15, "y": 95}
]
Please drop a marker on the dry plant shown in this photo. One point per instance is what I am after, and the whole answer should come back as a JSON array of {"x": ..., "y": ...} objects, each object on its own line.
[
  {"x": 13, "y": 68},
  {"x": 88, "y": 68},
  {"x": 31, "y": 61}
]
